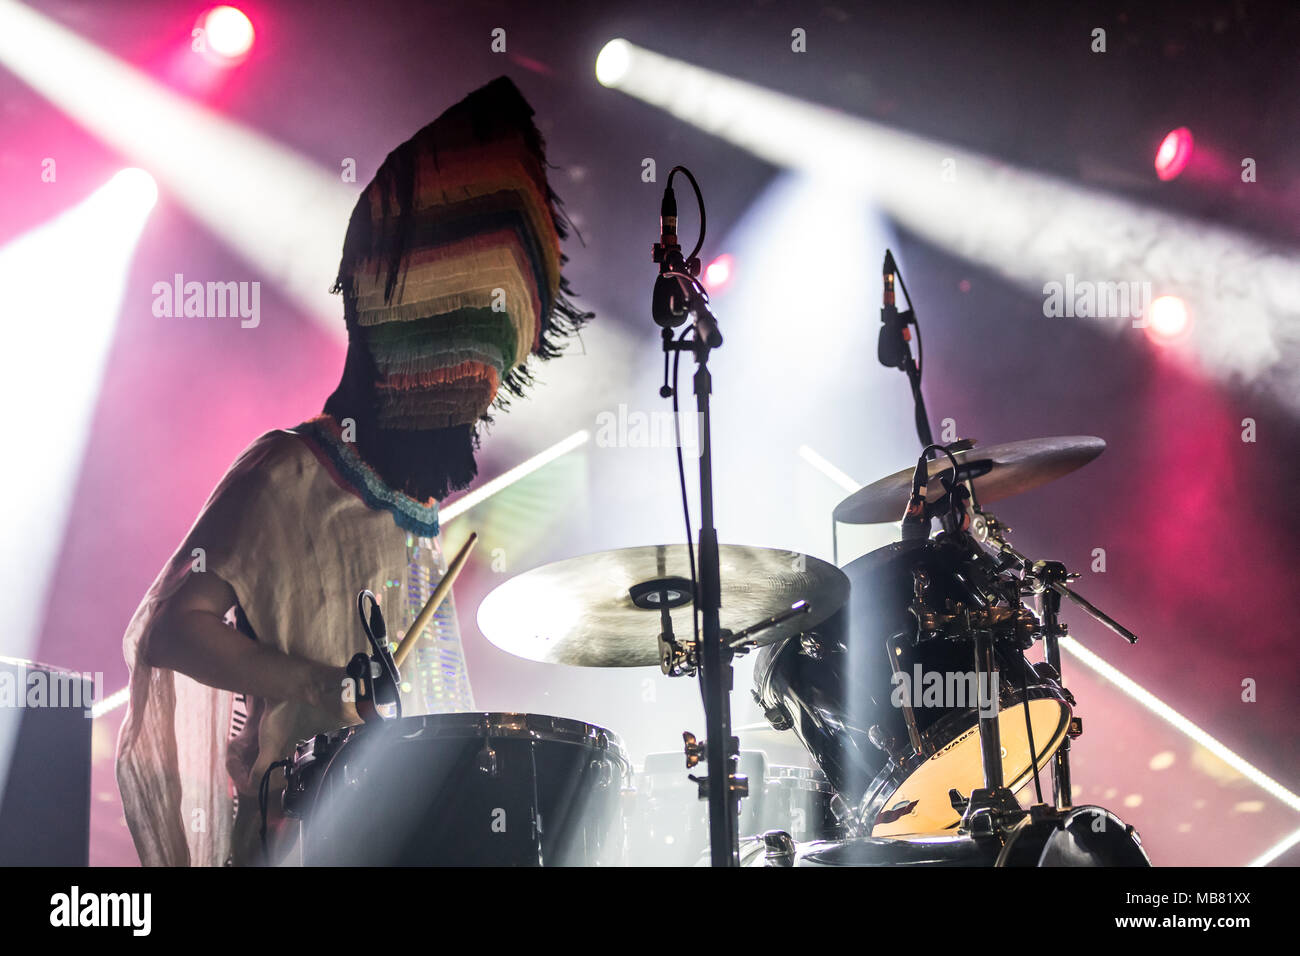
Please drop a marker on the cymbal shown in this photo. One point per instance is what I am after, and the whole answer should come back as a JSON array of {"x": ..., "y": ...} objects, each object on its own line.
[
  {"x": 1001, "y": 471},
  {"x": 602, "y": 609}
]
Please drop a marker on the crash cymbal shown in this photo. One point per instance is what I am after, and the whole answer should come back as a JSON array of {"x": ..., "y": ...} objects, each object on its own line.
[
  {"x": 602, "y": 610},
  {"x": 1000, "y": 471}
]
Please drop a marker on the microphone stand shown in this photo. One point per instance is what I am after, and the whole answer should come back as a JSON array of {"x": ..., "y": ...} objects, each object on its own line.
[
  {"x": 723, "y": 787},
  {"x": 893, "y": 352},
  {"x": 677, "y": 298}
]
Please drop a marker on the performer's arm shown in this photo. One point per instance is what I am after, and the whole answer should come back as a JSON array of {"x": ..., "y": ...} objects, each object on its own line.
[{"x": 192, "y": 637}]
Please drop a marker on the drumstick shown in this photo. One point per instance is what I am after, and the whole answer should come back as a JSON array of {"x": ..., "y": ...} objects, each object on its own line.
[{"x": 435, "y": 599}]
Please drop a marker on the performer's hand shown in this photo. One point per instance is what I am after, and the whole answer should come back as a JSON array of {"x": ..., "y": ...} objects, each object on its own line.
[{"x": 336, "y": 695}]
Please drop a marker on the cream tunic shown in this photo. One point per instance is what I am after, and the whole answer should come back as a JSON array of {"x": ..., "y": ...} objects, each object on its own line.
[{"x": 292, "y": 535}]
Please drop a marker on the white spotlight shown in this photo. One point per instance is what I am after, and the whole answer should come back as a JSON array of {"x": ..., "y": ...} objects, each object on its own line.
[
  {"x": 613, "y": 62},
  {"x": 64, "y": 282}
]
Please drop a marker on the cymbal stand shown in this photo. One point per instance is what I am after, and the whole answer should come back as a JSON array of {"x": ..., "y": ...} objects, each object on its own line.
[{"x": 1048, "y": 580}]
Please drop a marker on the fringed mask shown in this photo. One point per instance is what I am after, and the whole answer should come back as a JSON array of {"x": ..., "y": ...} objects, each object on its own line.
[{"x": 451, "y": 281}]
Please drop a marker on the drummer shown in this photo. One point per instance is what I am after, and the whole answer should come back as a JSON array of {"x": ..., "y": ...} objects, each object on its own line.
[{"x": 450, "y": 280}]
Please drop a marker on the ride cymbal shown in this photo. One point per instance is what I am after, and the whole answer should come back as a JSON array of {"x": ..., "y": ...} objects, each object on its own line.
[
  {"x": 999, "y": 471},
  {"x": 604, "y": 609}
]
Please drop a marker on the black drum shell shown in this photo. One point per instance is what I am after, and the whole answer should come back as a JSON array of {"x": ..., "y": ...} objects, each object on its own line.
[
  {"x": 836, "y": 685},
  {"x": 463, "y": 790}
]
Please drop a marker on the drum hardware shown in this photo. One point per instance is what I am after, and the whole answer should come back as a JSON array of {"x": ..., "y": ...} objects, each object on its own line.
[
  {"x": 1047, "y": 579},
  {"x": 695, "y": 751},
  {"x": 810, "y": 645},
  {"x": 890, "y": 745},
  {"x": 1041, "y": 837},
  {"x": 894, "y": 652},
  {"x": 487, "y": 759},
  {"x": 777, "y": 716},
  {"x": 678, "y": 297},
  {"x": 778, "y": 848},
  {"x": 743, "y": 640},
  {"x": 375, "y": 678}
]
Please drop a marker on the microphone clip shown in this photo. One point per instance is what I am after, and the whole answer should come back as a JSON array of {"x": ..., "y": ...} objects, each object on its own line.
[{"x": 375, "y": 678}]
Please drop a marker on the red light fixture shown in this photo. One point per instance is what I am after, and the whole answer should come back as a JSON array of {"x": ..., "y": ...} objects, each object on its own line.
[
  {"x": 1174, "y": 153},
  {"x": 1167, "y": 319},
  {"x": 718, "y": 273},
  {"x": 228, "y": 34}
]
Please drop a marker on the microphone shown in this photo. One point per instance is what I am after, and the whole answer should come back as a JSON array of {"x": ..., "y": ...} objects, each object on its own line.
[
  {"x": 916, "y": 523},
  {"x": 891, "y": 345},
  {"x": 670, "y": 299},
  {"x": 668, "y": 219}
]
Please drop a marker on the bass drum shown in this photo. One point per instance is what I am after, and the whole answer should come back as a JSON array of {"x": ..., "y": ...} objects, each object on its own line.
[
  {"x": 460, "y": 790},
  {"x": 841, "y": 690},
  {"x": 1082, "y": 836}
]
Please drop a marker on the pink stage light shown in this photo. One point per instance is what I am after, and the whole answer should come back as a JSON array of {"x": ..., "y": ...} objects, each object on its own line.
[
  {"x": 1167, "y": 319},
  {"x": 718, "y": 273},
  {"x": 229, "y": 32},
  {"x": 1174, "y": 153}
]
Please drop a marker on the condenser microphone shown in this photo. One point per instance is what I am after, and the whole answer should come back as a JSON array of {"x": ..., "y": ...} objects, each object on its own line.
[{"x": 891, "y": 345}]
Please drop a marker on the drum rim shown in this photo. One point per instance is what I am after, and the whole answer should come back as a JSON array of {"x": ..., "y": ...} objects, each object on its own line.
[
  {"x": 875, "y": 799},
  {"x": 507, "y": 725}
]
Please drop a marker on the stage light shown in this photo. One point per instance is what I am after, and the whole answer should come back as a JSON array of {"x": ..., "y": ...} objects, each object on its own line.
[
  {"x": 229, "y": 32},
  {"x": 718, "y": 273},
  {"x": 502, "y": 482},
  {"x": 134, "y": 189},
  {"x": 1276, "y": 850},
  {"x": 1167, "y": 319},
  {"x": 613, "y": 62},
  {"x": 280, "y": 212},
  {"x": 63, "y": 283},
  {"x": 1174, "y": 153},
  {"x": 1155, "y": 705},
  {"x": 829, "y": 470},
  {"x": 1027, "y": 227}
]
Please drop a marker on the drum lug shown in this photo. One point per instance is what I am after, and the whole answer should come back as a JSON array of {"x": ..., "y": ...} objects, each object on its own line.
[
  {"x": 959, "y": 803},
  {"x": 778, "y": 848},
  {"x": 887, "y": 744},
  {"x": 777, "y": 715},
  {"x": 739, "y": 785},
  {"x": 694, "y": 749},
  {"x": 487, "y": 760},
  {"x": 1044, "y": 669},
  {"x": 810, "y": 646}
]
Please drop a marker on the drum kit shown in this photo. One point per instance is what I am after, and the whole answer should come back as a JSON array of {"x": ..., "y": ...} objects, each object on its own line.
[{"x": 904, "y": 675}]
